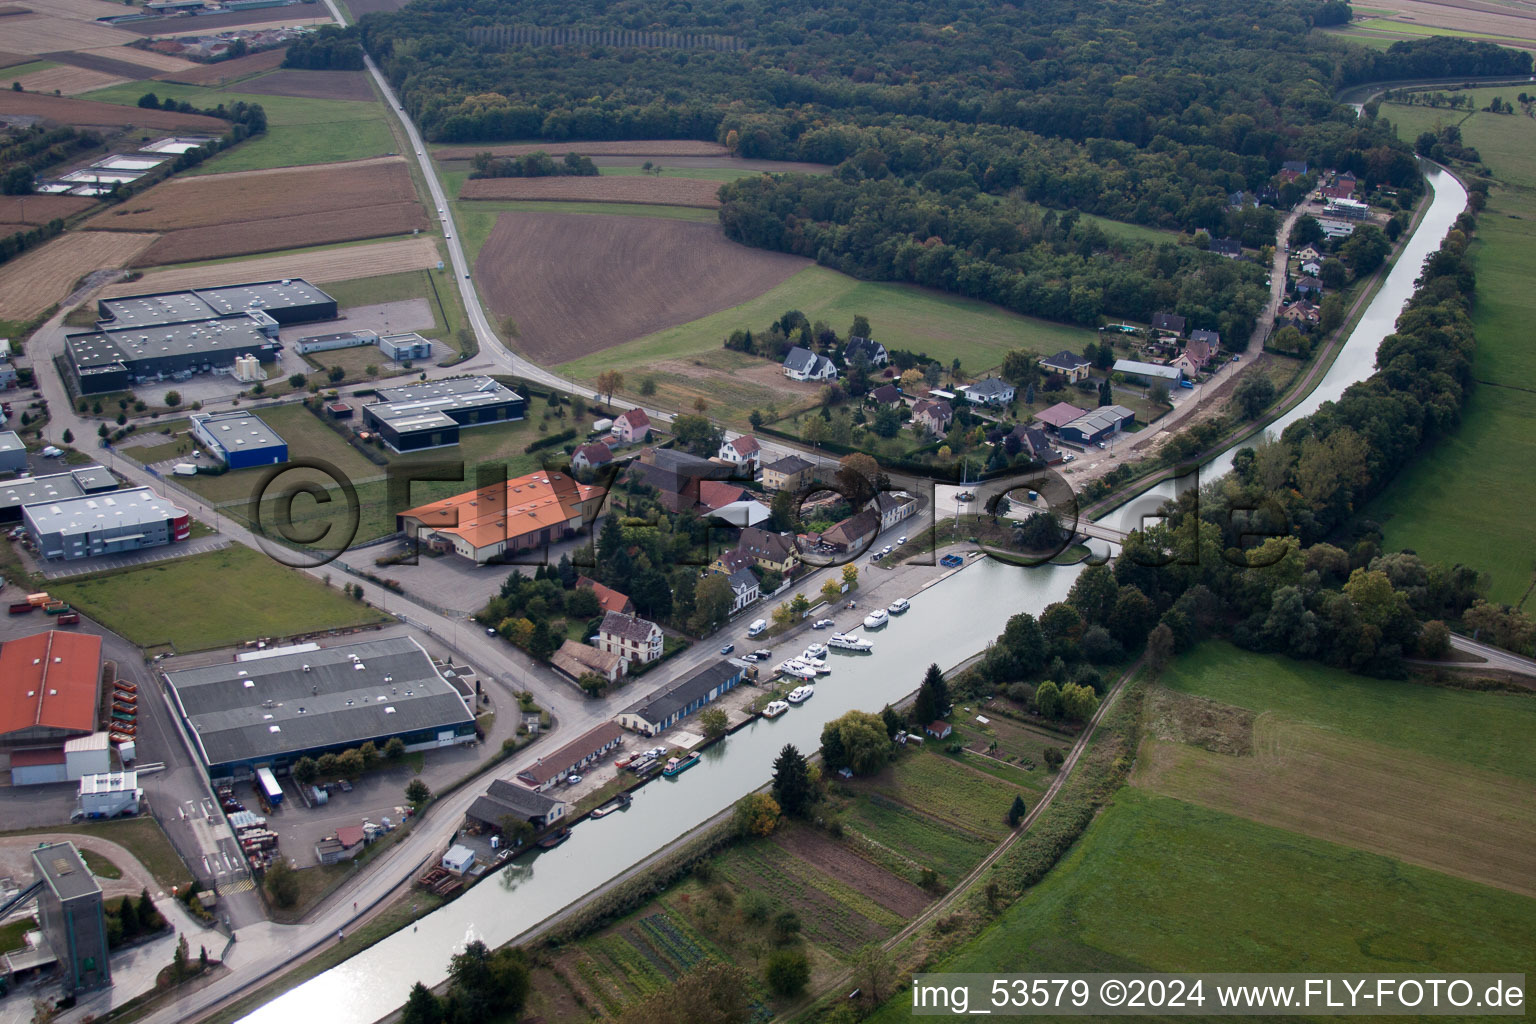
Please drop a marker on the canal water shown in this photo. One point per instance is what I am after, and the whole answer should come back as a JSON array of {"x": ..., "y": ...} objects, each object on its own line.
[
  {"x": 948, "y": 622},
  {"x": 1355, "y": 362}
]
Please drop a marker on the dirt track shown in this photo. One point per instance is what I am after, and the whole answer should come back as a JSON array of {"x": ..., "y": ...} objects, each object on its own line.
[
  {"x": 580, "y": 283},
  {"x": 611, "y": 189}
]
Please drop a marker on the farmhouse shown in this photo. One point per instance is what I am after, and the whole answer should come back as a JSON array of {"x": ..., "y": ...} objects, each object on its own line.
[
  {"x": 49, "y": 685},
  {"x": 1137, "y": 368},
  {"x": 429, "y": 414},
  {"x": 1070, "y": 365},
  {"x": 854, "y": 532},
  {"x": 106, "y": 524},
  {"x": 630, "y": 637},
  {"x": 1099, "y": 424},
  {"x": 528, "y": 512},
  {"x": 803, "y": 364},
  {"x": 578, "y": 659},
  {"x": 33, "y": 490},
  {"x": 660, "y": 711},
  {"x": 272, "y": 711},
  {"x": 239, "y": 439},
  {"x": 571, "y": 758},
  {"x": 504, "y": 800}
]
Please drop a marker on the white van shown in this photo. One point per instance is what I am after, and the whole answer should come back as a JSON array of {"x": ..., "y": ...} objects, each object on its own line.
[
  {"x": 185, "y": 469},
  {"x": 756, "y": 629}
]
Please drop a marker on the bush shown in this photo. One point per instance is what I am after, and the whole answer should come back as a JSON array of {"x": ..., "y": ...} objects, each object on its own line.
[
  {"x": 1053, "y": 757},
  {"x": 282, "y": 884},
  {"x": 787, "y": 972},
  {"x": 417, "y": 792}
]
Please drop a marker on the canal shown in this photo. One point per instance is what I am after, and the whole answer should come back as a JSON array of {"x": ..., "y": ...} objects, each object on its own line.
[
  {"x": 1355, "y": 362},
  {"x": 948, "y": 622}
]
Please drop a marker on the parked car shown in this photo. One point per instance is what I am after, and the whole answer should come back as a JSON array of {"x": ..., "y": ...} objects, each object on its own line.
[
  {"x": 822, "y": 624},
  {"x": 490, "y": 630},
  {"x": 886, "y": 550},
  {"x": 900, "y": 541},
  {"x": 571, "y": 780},
  {"x": 1099, "y": 443},
  {"x": 727, "y": 649}
]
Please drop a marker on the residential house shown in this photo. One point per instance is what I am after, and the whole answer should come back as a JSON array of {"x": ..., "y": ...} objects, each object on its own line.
[
  {"x": 885, "y": 394},
  {"x": 1170, "y": 323},
  {"x": 732, "y": 561},
  {"x": 873, "y": 352},
  {"x": 1297, "y": 167},
  {"x": 934, "y": 417},
  {"x": 1231, "y": 248},
  {"x": 608, "y": 599},
  {"x": 992, "y": 391},
  {"x": 1184, "y": 364},
  {"x": 1069, "y": 364},
  {"x": 1036, "y": 444},
  {"x": 578, "y": 659},
  {"x": 894, "y": 506},
  {"x": 1058, "y": 415},
  {"x": 745, "y": 588},
  {"x": 570, "y": 759},
  {"x": 1309, "y": 253},
  {"x": 676, "y": 476},
  {"x": 659, "y": 712},
  {"x": 1303, "y": 315},
  {"x": 717, "y": 494},
  {"x": 1201, "y": 350},
  {"x": 790, "y": 473},
  {"x": 507, "y": 801},
  {"x": 632, "y": 427},
  {"x": 590, "y": 456},
  {"x": 774, "y": 551},
  {"x": 939, "y": 729},
  {"x": 803, "y": 364},
  {"x": 1311, "y": 267},
  {"x": 854, "y": 532},
  {"x": 1309, "y": 286},
  {"x": 743, "y": 451},
  {"x": 630, "y": 637},
  {"x": 1331, "y": 193},
  {"x": 1211, "y": 339},
  {"x": 1333, "y": 228}
]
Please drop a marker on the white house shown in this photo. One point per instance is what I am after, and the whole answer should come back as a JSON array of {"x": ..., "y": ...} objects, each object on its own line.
[
  {"x": 630, "y": 637},
  {"x": 993, "y": 391},
  {"x": 745, "y": 589},
  {"x": 632, "y": 426},
  {"x": 803, "y": 364},
  {"x": 742, "y": 451},
  {"x": 894, "y": 507},
  {"x": 872, "y": 352}
]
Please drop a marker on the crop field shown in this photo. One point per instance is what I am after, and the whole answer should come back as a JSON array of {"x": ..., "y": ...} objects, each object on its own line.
[
  {"x": 645, "y": 189},
  {"x": 1453, "y": 17},
  {"x": 1017, "y": 745},
  {"x": 89, "y": 113},
  {"x": 557, "y": 275},
  {"x": 319, "y": 266},
  {"x": 40, "y": 209},
  {"x": 1460, "y": 502},
  {"x": 321, "y": 85},
  {"x": 1491, "y": 731},
  {"x": 44, "y": 33},
  {"x": 271, "y": 600},
  {"x": 892, "y": 894},
  {"x": 34, "y": 281},
  {"x": 902, "y": 316},
  {"x": 206, "y": 23},
  {"x": 277, "y": 233},
  {"x": 69, "y": 81},
  {"x": 1459, "y": 820},
  {"x": 105, "y": 60},
  {"x": 726, "y": 168},
  {"x": 155, "y": 61},
  {"x": 948, "y": 790},
  {"x": 830, "y": 922},
  {"x": 227, "y": 70},
  {"x": 10, "y": 60},
  {"x": 642, "y": 148},
  {"x": 82, "y": 10},
  {"x": 1162, "y": 885},
  {"x": 608, "y": 970}
]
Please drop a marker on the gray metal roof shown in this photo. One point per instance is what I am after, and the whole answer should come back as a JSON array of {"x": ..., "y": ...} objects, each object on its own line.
[
  {"x": 30, "y": 490},
  {"x": 116, "y": 344},
  {"x": 238, "y": 431},
  {"x": 74, "y": 516},
  {"x": 351, "y": 693},
  {"x": 990, "y": 387},
  {"x": 173, "y": 307},
  {"x": 661, "y": 706},
  {"x": 405, "y": 405},
  {"x": 59, "y": 865},
  {"x": 504, "y": 798},
  {"x": 10, "y": 441}
]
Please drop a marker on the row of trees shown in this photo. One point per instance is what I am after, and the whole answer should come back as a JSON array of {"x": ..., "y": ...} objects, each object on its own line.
[
  {"x": 531, "y": 165},
  {"x": 483, "y": 984},
  {"x": 350, "y": 764}
]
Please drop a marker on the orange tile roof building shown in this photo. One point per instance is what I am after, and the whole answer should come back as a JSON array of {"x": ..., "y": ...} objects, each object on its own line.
[
  {"x": 530, "y": 512},
  {"x": 49, "y": 683}
]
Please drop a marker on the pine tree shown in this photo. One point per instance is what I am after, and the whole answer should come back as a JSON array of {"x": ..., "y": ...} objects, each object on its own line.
[
  {"x": 1018, "y": 812},
  {"x": 932, "y": 701},
  {"x": 791, "y": 780}
]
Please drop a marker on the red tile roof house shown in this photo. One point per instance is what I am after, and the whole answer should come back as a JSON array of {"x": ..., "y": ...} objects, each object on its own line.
[
  {"x": 571, "y": 758},
  {"x": 608, "y": 599},
  {"x": 938, "y": 730},
  {"x": 632, "y": 426},
  {"x": 742, "y": 451},
  {"x": 590, "y": 456}
]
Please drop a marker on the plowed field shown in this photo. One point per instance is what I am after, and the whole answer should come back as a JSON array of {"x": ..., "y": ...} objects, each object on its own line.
[
  {"x": 836, "y": 859},
  {"x": 227, "y": 70},
  {"x": 143, "y": 58},
  {"x": 642, "y": 147},
  {"x": 40, "y": 209},
  {"x": 69, "y": 80},
  {"x": 608, "y": 189},
  {"x": 229, "y": 199},
  {"x": 320, "y": 85},
  {"x": 317, "y": 267},
  {"x": 36, "y": 280},
  {"x": 580, "y": 283},
  {"x": 90, "y": 112},
  {"x": 40, "y": 33},
  {"x": 276, "y": 233}
]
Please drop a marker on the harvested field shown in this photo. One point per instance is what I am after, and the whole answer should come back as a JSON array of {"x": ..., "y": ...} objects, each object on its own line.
[
  {"x": 662, "y": 147},
  {"x": 143, "y": 58},
  {"x": 836, "y": 859},
  {"x": 730, "y": 163},
  {"x": 1463, "y": 16},
  {"x": 92, "y": 113},
  {"x": 99, "y": 61},
  {"x": 277, "y": 233},
  {"x": 317, "y": 267},
  {"x": 226, "y": 70},
  {"x": 643, "y": 189},
  {"x": 320, "y": 85},
  {"x": 40, "y": 33},
  {"x": 81, "y": 10},
  {"x": 203, "y": 23},
  {"x": 36, "y": 280},
  {"x": 69, "y": 81},
  {"x": 1450, "y": 817},
  {"x": 40, "y": 209},
  {"x": 10, "y": 60},
  {"x": 557, "y": 274},
  {"x": 229, "y": 199}
]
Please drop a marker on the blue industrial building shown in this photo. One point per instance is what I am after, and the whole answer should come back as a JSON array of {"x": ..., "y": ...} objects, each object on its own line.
[{"x": 239, "y": 439}]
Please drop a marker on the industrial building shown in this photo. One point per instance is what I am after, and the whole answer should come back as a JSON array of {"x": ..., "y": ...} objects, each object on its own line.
[
  {"x": 13, "y": 452},
  {"x": 108, "y": 794},
  {"x": 116, "y": 358},
  {"x": 30, "y": 490},
  {"x": 49, "y": 688},
  {"x": 400, "y": 347},
  {"x": 529, "y": 512},
  {"x": 570, "y": 759},
  {"x": 239, "y": 439},
  {"x": 1100, "y": 423},
  {"x": 659, "y": 712},
  {"x": 504, "y": 800},
  {"x": 331, "y": 342},
  {"x": 105, "y": 524},
  {"x": 291, "y": 301},
  {"x": 1137, "y": 368},
  {"x": 272, "y": 711},
  {"x": 71, "y": 916},
  {"x": 429, "y": 414}
]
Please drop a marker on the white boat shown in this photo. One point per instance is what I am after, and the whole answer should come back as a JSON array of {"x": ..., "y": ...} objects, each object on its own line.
[
  {"x": 849, "y": 642},
  {"x": 775, "y": 708},
  {"x": 797, "y": 669},
  {"x": 877, "y": 619},
  {"x": 816, "y": 665},
  {"x": 800, "y": 694},
  {"x": 899, "y": 606},
  {"x": 816, "y": 651}
]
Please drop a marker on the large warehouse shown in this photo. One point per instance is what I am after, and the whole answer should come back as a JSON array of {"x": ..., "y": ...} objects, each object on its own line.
[
  {"x": 292, "y": 301},
  {"x": 272, "y": 711},
  {"x": 239, "y": 439},
  {"x": 429, "y": 414},
  {"x": 533, "y": 511},
  {"x": 13, "y": 452},
  {"x": 30, "y": 490},
  {"x": 105, "y": 524},
  {"x": 49, "y": 688}
]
